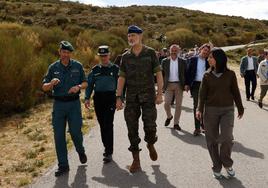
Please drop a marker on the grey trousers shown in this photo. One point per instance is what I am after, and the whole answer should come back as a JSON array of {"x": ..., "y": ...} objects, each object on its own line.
[
  {"x": 264, "y": 89},
  {"x": 219, "y": 122}
]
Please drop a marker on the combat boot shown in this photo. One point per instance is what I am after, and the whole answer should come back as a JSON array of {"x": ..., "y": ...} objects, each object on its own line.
[
  {"x": 135, "y": 166},
  {"x": 152, "y": 152}
]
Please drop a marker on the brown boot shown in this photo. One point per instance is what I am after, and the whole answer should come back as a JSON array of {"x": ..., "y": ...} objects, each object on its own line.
[
  {"x": 135, "y": 166},
  {"x": 152, "y": 151}
]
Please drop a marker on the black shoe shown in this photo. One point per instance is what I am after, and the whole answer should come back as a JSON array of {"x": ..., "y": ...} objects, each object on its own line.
[
  {"x": 167, "y": 122},
  {"x": 247, "y": 99},
  {"x": 252, "y": 97},
  {"x": 197, "y": 132},
  {"x": 62, "y": 170},
  {"x": 107, "y": 159},
  {"x": 177, "y": 127},
  {"x": 82, "y": 157},
  {"x": 260, "y": 104}
]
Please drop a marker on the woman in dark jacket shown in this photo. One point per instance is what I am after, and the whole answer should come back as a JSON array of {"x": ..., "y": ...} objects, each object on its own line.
[{"x": 217, "y": 95}]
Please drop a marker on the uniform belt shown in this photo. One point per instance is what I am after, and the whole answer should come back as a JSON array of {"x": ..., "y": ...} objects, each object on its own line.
[{"x": 66, "y": 98}]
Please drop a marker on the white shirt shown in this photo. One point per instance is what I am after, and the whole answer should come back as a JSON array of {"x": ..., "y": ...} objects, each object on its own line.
[
  {"x": 201, "y": 69},
  {"x": 250, "y": 63},
  {"x": 173, "y": 71}
]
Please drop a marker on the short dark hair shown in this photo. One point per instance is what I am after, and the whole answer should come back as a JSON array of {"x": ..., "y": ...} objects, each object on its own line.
[
  {"x": 206, "y": 45},
  {"x": 220, "y": 58}
]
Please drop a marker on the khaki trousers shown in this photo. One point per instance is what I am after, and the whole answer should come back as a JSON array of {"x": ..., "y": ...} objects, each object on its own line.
[
  {"x": 219, "y": 122},
  {"x": 173, "y": 89}
]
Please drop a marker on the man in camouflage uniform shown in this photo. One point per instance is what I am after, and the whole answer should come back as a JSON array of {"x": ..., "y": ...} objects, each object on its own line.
[{"x": 138, "y": 66}]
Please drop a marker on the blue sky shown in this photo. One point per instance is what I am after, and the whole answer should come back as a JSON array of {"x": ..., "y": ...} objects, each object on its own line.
[{"x": 246, "y": 8}]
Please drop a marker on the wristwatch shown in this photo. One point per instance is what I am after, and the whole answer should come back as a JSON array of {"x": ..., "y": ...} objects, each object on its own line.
[{"x": 118, "y": 97}]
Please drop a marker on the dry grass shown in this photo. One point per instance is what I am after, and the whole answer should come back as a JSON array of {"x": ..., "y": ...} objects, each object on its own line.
[{"x": 27, "y": 145}]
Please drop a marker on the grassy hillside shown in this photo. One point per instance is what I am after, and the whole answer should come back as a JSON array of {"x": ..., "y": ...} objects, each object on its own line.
[
  {"x": 180, "y": 25},
  {"x": 31, "y": 31}
]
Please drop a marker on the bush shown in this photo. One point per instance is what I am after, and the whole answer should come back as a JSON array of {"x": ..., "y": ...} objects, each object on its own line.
[
  {"x": 17, "y": 62},
  {"x": 25, "y": 54},
  {"x": 183, "y": 37}
]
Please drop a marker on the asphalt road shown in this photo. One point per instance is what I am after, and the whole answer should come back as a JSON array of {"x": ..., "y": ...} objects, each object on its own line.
[{"x": 183, "y": 159}]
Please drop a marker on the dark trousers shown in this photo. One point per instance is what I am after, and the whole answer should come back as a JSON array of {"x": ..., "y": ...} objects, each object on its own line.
[
  {"x": 132, "y": 113},
  {"x": 250, "y": 76},
  {"x": 194, "y": 92},
  {"x": 104, "y": 104},
  {"x": 219, "y": 123},
  {"x": 64, "y": 112}
]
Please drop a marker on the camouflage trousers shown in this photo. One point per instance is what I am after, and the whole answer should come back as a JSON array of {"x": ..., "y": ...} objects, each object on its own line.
[{"x": 132, "y": 113}]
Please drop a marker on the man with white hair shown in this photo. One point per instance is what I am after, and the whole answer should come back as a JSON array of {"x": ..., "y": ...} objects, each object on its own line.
[{"x": 174, "y": 69}]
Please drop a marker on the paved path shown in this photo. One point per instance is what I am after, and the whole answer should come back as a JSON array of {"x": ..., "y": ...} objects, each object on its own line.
[{"x": 183, "y": 159}]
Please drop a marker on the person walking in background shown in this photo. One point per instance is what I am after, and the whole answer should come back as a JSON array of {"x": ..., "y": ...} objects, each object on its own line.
[
  {"x": 261, "y": 56},
  {"x": 137, "y": 70},
  {"x": 163, "y": 54},
  {"x": 195, "y": 71},
  {"x": 248, "y": 71},
  {"x": 263, "y": 75},
  {"x": 218, "y": 92},
  {"x": 174, "y": 72},
  {"x": 117, "y": 60},
  {"x": 65, "y": 78},
  {"x": 103, "y": 81}
]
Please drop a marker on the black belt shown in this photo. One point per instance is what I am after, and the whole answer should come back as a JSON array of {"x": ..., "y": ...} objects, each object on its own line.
[
  {"x": 66, "y": 98},
  {"x": 174, "y": 82}
]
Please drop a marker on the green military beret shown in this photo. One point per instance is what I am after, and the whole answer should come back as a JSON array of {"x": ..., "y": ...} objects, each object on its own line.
[{"x": 65, "y": 45}]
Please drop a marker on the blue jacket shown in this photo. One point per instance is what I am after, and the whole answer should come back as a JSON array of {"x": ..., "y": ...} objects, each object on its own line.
[
  {"x": 102, "y": 79},
  {"x": 192, "y": 69}
]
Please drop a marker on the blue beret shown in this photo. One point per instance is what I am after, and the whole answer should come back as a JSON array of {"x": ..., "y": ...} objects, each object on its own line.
[
  {"x": 103, "y": 50},
  {"x": 134, "y": 29},
  {"x": 65, "y": 45}
]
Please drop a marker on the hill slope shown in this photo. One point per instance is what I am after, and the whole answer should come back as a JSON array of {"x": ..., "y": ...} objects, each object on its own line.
[{"x": 178, "y": 24}]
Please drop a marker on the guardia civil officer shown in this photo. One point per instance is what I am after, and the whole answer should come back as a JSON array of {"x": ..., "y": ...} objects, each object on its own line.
[
  {"x": 137, "y": 69},
  {"x": 103, "y": 81},
  {"x": 66, "y": 78}
]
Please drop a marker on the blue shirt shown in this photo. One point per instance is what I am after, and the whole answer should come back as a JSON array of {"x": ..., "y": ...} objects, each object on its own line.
[
  {"x": 102, "y": 79},
  {"x": 201, "y": 69},
  {"x": 69, "y": 76}
]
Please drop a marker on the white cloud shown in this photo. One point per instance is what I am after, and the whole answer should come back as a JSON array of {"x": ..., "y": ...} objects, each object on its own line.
[{"x": 245, "y": 8}]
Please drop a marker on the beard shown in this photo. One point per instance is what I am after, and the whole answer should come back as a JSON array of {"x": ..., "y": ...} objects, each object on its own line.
[{"x": 133, "y": 43}]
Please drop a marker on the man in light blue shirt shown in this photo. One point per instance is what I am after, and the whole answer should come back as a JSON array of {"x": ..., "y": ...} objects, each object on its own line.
[
  {"x": 263, "y": 75},
  {"x": 195, "y": 71}
]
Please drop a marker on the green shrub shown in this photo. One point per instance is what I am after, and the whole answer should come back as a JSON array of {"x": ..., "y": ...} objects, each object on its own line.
[
  {"x": 17, "y": 63},
  {"x": 183, "y": 37}
]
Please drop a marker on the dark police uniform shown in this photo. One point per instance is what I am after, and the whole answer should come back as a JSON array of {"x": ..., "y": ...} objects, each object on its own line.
[
  {"x": 138, "y": 72},
  {"x": 66, "y": 107},
  {"x": 103, "y": 81}
]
